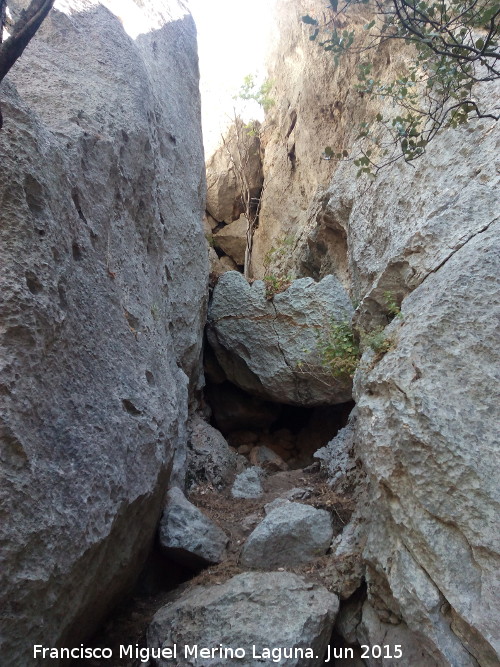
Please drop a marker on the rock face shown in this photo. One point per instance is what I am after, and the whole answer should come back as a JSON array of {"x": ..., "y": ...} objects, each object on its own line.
[
  {"x": 101, "y": 310},
  {"x": 290, "y": 534},
  {"x": 261, "y": 343},
  {"x": 240, "y": 154},
  {"x": 271, "y": 609},
  {"x": 425, "y": 432},
  {"x": 232, "y": 239},
  {"x": 187, "y": 535},
  {"x": 338, "y": 458}
]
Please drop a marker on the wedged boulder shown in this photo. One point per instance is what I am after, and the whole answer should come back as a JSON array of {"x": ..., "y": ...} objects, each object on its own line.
[
  {"x": 187, "y": 536},
  {"x": 240, "y": 152},
  {"x": 267, "y": 347},
  {"x": 210, "y": 460},
  {"x": 232, "y": 239},
  {"x": 290, "y": 534},
  {"x": 252, "y": 611},
  {"x": 427, "y": 432},
  {"x": 102, "y": 307}
]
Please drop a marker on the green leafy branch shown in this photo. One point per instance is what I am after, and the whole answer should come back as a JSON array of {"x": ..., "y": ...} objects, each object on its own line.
[{"x": 455, "y": 46}]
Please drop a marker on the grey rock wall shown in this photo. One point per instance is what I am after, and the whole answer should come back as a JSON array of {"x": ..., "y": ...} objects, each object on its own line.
[
  {"x": 102, "y": 307},
  {"x": 428, "y": 434},
  {"x": 427, "y": 410}
]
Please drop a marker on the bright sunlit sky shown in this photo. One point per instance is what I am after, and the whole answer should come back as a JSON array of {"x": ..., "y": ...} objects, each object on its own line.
[{"x": 233, "y": 37}]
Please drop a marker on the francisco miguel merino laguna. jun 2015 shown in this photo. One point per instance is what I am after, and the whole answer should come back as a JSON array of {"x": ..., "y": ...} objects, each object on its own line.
[
  {"x": 144, "y": 654},
  {"x": 272, "y": 654}
]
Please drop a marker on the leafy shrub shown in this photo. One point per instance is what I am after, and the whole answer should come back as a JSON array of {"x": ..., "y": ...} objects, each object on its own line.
[
  {"x": 338, "y": 349},
  {"x": 393, "y": 310}
]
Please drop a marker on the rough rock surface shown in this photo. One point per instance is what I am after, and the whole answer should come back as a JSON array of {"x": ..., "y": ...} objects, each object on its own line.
[
  {"x": 210, "y": 460},
  {"x": 102, "y": 303},
  {"x": 260, "y": 343},
  {"x": 338, "y": 458},
  {"x": 271, "y": 609},
  {"x": 428, "y": 434},
  {"x": 425, "y": 432},
  {"x": 187, "y": 535},
  {"x": 248, "y": 484},
  {"x": 239, "y": 154},
  {"x": 290, "y": 534},
  {"x": 232, "y": 239}
]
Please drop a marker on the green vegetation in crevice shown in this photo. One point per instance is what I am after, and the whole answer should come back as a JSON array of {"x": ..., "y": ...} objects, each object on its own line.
[
  {"x": 278, "y": 280},
  {"x": 340, "y": 347},
  {"x": 276, "y": 284}
]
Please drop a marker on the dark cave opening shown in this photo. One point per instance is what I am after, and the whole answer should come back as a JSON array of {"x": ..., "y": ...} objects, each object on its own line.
[{"x": 253, "y": 426}]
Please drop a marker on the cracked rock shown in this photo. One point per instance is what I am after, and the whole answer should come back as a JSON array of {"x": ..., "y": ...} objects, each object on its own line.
[{"x": 269, "y": 347}]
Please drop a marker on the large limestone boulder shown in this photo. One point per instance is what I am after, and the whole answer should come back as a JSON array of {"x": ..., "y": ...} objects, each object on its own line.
[
  {"x": 237, "y": 157},
  {"x": 290, "y": 534},
  {"x": 232, "y": 239},
  {"x": 427, "y": 432},
  {"x": 252, "y": 611},
  {"x": 187, "y": 535},
  {"x": 102, "y": 307},
  {"x": 262, "y": 344}
]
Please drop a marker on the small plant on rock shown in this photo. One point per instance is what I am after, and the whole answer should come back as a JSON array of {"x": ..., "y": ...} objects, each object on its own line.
[
  {"x": 276, "y": 284},
  {"x": 393, "y": 309},
  {"x": 379, "y": 342},
  {"x": 338, "y": 349},
  {"x": 250, "y": 90}
]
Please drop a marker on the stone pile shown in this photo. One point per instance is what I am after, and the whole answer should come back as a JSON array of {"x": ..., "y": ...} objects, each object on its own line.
[{"x": 265, "y": 607}]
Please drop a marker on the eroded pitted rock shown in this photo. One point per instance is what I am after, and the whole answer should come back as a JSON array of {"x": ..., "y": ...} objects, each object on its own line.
[
  {"x": 267, "y": 609},
  {"x": 427, "y": 432},
  {"x": 266, "y": 347},
  {"x": 102, "y": 307},
  {"x": 210, "y": 460}
]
